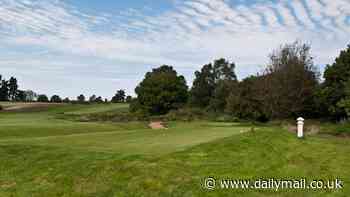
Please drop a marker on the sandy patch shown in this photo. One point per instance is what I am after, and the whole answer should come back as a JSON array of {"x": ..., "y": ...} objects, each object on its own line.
[{"x": 157, "y": 125}]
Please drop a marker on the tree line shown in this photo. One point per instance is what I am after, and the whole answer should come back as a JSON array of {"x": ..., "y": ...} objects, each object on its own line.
[
  {"x": 288, "y": 87},
  {"x": 119, "y": 97},
  {"x": 9, "y": 91}
]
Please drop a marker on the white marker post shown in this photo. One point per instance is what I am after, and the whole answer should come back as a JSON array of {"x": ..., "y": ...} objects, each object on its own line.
[{"x": 300, "y": 122}]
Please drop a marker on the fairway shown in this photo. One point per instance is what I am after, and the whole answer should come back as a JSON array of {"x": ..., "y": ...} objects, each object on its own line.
[
  {"x": 45, "y": 129},
  {"x": 113, "y": 138},
  {"x": 175, "y": 98},
  {"x": 45, "y": 155}
]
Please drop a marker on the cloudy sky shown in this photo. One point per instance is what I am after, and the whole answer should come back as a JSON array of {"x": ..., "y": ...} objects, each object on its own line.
[{"x": 69, "y": 47}]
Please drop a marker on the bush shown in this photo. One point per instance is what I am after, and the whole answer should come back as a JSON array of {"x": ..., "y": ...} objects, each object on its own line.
[
  {"x": 226, "y": 118},
  {"x": 191, "y": 114},
  {"x": 342, "y": 128},
  {"x": 262, "y": 118},
  {"x": 1, "y": 108},
  {"x": 112, "y": 117},
  {"x": 186, "y": 114}
]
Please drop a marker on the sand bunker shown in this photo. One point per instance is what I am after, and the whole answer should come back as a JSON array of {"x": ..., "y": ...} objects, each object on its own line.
[{"x": 157, "y": 125}]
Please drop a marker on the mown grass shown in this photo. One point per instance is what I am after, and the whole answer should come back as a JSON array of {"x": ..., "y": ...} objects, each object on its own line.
[
  {"x": 135, "y": 141},
  {"x": 88, "y": 159}
]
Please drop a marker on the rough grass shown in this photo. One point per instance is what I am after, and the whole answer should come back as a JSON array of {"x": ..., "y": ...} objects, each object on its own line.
[
  {"x": 340, "y": 129},
  {"x": 27, "y": 106},
  {"x": 99, "y": 108},
  {"x": 45, "y": 156},
  {"x": 45, "y": 123}
]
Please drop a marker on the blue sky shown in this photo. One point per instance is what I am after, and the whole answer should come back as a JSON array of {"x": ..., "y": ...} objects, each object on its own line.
[{"x": 69, "y": 47}]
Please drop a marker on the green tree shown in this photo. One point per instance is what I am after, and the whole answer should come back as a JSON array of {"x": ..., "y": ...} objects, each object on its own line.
[
  {"x": 30, "y": 95},
  {"x": 81, "y": 98},
  {"x": 13, "y": 88},
  {"x": 21, "y": 96},
  {"x": 203, "y": 87},
  {"x": 286, "y": 89},
  {"x": 92, "y": 98},
  {"x": 222, "y": 90},
  {"x": 9, "y": 90},
  {"x": 213, "y": 84},
  {"x": 43, "y": 98},
  {"x": 224, "y": 70},
  {"x": 56, "y": 99},
  {"x": 128, "y": 99},
  {"x": 344, "y": 104},
  {"x": 333, "y": 91},
  {"x": 4, "y": 90},
  {"x": 119, "y": 97},
  {"x": 160, "y": 91},
  {"x": 247, "y": 101},
  {"x": 99, "y": 100},
  {"x": 66, "y": 100},
  {"x": 290, "y": 82}
]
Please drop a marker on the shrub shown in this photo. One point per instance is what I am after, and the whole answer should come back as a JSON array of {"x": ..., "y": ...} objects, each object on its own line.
[
  {"x": 186, "y": 114},
  {"x": 342, "y": 128},
  {"x": 226, "y": 118},
  {"x": 113, "y": 117},
  {"x": 1, "y": 108}
]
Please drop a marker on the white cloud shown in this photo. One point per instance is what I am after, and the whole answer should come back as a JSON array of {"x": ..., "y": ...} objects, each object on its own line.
[{"x": 191, "y": 34}]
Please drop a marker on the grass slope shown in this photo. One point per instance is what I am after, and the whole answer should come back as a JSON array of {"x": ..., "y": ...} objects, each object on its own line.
[
  {"x": 98, "y": 108},
  {"x": 45, "y": 123},
  {"x": 88, "y": 159},
  {"x": 135, "y": 141}
]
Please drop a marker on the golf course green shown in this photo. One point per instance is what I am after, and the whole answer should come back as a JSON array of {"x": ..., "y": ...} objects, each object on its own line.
[{"x": 43, "y": 154}]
